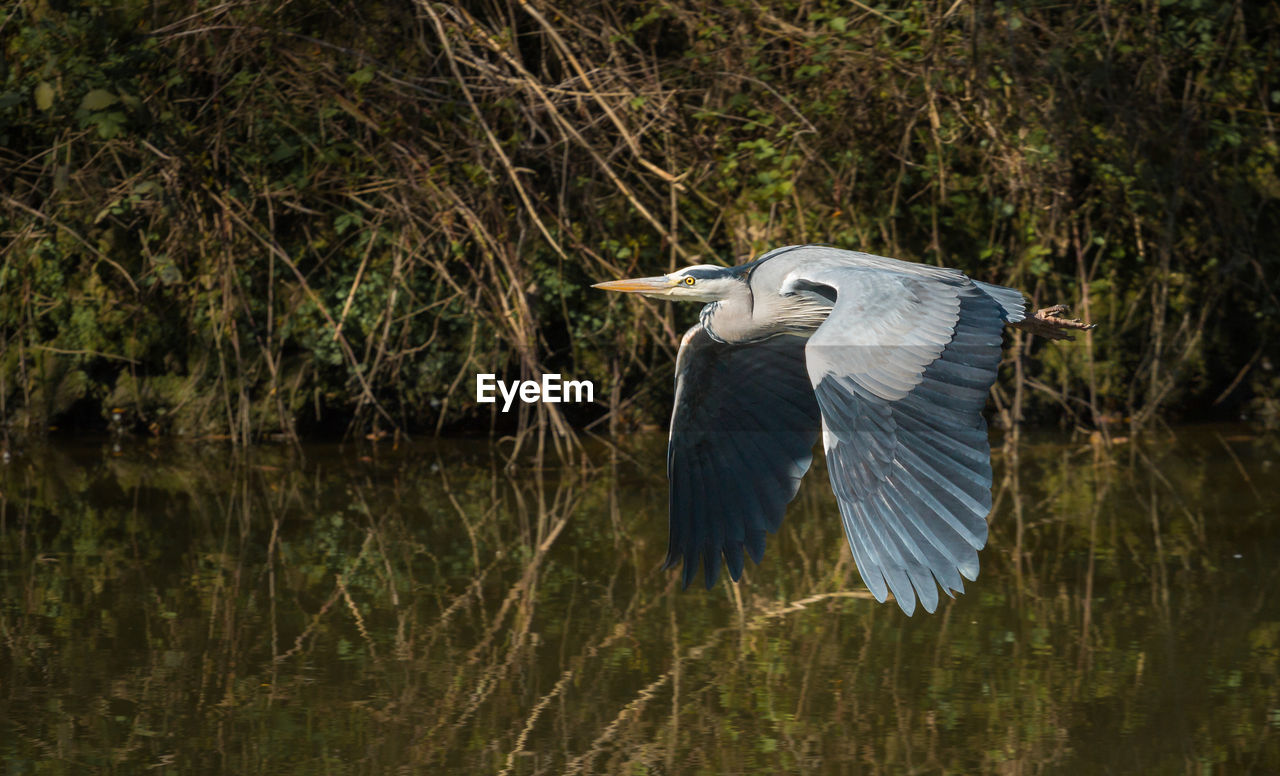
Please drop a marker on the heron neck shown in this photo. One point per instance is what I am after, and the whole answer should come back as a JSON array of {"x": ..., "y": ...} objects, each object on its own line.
[
  {"x": 732, "y": 320},
  {"x": 745, "y": 317}
]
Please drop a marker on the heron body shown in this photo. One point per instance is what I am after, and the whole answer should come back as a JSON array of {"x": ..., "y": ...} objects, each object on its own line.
[{"x": 889, "y": 361}]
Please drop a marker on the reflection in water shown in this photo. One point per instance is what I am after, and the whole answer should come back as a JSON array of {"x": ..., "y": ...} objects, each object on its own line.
[{"x": 423, "y": 608}]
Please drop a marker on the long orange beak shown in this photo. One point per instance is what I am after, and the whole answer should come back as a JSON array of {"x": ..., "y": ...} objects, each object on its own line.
[{"x": 658, "y": 285}]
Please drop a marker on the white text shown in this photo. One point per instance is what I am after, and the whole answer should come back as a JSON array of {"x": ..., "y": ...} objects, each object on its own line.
[{"x": 551, "y": 389}]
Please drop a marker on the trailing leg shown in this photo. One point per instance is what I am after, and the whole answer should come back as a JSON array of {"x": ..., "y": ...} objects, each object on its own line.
[{"x": 1049, "y": 324}]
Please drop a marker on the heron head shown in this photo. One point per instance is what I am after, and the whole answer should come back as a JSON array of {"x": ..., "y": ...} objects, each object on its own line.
[{"x": 699, "y": 283}]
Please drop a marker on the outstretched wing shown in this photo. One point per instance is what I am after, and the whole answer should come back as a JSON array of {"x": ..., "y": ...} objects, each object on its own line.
[
  {"x": 742, "y": 434},
  {"x": 901, "y": 369}
]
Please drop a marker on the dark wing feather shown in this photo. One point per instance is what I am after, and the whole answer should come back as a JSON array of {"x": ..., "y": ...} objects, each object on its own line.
[
  {"x": 742, "y": 434},
  {"x": 901, "y": 370}
]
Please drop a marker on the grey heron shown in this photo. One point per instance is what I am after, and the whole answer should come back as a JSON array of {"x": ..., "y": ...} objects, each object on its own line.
[{"x": 889, "y": 360}]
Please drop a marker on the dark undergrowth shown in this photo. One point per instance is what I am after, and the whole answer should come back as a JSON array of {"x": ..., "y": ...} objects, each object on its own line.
[{"x": 250, "y": 219}]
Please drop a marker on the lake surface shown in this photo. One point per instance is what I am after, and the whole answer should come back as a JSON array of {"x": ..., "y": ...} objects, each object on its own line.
[{"x": 335, "y": 610}]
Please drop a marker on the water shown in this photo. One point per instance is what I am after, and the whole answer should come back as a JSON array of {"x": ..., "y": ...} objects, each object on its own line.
[{"x": 372, "y": 610}]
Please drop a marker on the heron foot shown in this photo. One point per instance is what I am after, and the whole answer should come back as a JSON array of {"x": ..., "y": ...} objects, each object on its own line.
[{"x": 1049, "y": 323}]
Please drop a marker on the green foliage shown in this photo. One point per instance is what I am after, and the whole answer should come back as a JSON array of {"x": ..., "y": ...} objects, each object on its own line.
[{"x": 315, "y": 211}]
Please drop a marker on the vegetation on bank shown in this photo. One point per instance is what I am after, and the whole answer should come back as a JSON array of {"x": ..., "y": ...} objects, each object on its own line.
[{"x": 249, "y": 218}]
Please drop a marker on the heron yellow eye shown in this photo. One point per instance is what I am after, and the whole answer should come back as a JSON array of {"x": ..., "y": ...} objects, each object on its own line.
[{"x": 689, "y": 281}]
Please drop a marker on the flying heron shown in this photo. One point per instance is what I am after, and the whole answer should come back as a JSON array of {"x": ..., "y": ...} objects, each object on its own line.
[{"x": 889, "y": 359}]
